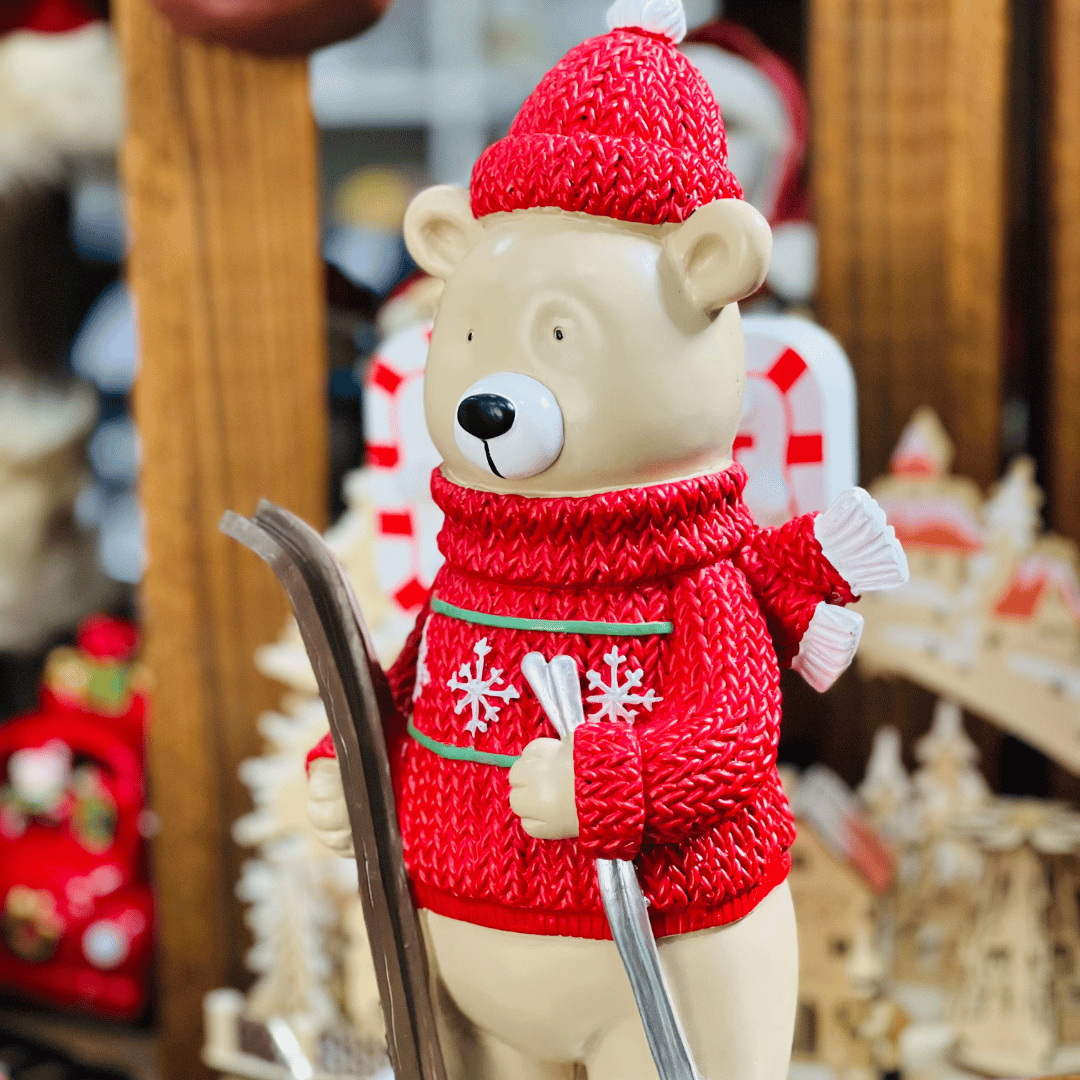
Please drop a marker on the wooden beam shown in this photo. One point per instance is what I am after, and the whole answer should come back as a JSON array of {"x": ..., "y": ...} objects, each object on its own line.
[
  {"x": 908, "y": 117},
  {"x": 975, "y": 232},
  {"x": 220, "y": 168},
  {"x": 1064, "y": 196},
  {"x": 908, "y": 143},
  {"x": 877, "y": 81}
]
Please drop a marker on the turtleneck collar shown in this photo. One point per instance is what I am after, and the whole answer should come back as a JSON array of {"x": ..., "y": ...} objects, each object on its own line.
[{"x": 617, "y": 537}]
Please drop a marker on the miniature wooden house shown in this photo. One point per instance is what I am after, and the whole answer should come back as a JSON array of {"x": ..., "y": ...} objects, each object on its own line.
[
  {"x": 936, "y": 516},
  {"x": 836, "y": 899},
  {"x": 1065, "y": 936},
  {"x": 1037, "y": 612},
  {"x": 998, "y": 631}
]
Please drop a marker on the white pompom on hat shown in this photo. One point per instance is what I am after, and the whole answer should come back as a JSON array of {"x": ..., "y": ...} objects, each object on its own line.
[
  {"x": 60, "y": 89},
  {"x": 665, "y": 17}
]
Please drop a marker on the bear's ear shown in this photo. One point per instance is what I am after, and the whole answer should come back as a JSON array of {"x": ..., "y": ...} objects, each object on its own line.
[
  {"x": 720, "y": 253},
  {"x": 439, "y": 229}
]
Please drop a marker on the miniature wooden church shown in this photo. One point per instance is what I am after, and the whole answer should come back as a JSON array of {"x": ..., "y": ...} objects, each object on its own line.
[
  {"x": 1017, "y": 1012},
  {"x": 944, "y": 865}
]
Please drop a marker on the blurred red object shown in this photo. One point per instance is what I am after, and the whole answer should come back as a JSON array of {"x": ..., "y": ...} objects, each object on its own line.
[
  {"x": 76, "y": 909},
  {"x": 105, "y": 638},
  {"x": 272, "y": 27},
  {"x": 46, "y": 16}
]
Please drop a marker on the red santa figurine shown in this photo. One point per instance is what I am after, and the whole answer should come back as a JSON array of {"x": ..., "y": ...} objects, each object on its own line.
[
  {"x": 584, "y": 387},
  {"x": 60, "y": 87}
]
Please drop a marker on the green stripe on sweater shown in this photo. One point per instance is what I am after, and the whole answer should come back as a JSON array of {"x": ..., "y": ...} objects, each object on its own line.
[
  {"x": 553, "y": 626},
  {"x": 460, "y": 753}
]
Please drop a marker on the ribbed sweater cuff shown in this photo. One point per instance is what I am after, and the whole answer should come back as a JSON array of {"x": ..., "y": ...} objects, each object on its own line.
[{"x": 608, "y": 790}]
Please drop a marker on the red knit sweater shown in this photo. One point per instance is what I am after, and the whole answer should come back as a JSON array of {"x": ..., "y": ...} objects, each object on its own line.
[{"x": 670, "y": 599}]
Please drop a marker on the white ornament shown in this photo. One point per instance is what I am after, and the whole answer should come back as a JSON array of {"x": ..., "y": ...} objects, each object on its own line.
[
  {"x": 423, "y": 676},
  {"x": 613, "y": 697},
  {"x": 477, "y": 690},
  {"x": 665, "y": 17}
]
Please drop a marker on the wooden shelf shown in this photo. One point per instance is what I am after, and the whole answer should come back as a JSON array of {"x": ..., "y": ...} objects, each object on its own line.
[{"x": 98, "y": 1043}]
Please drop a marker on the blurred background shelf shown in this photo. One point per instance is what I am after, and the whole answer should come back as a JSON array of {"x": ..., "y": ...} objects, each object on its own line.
[{"x": 97, "y": 1044}]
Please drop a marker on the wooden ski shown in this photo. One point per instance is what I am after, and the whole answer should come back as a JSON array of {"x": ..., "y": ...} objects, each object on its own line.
[{"x": 357, "y": 699}]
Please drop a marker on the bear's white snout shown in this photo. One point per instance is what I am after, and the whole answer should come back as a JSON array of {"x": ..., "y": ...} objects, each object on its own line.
[{"x": 510, "y": 425}]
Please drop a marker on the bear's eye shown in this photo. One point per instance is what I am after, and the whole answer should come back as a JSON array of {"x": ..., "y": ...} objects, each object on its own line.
[
  {"x": 470, "y": 335},
  {"x": 558, "y": 333}
]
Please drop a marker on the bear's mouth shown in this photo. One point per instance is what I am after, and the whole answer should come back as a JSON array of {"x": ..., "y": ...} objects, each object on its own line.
[
  {"x": 519, "y": 415},
  {"x": 491, "y": 464}
]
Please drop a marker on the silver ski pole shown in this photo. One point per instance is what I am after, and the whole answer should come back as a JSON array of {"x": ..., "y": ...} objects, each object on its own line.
[{"x": 558, "y": 688}]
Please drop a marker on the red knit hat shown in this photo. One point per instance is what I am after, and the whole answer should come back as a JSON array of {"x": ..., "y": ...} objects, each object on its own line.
[
  {"x": 45, "y": 16},
  {"x": 624, "y": 126}
]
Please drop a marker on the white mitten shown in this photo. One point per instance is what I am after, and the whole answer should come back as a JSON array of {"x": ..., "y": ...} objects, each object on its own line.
[
  {"x": 326, "y": 806},
  {"x": 862, "y": 547},
  {"x": 860, "y": 544},
  {"x": 828, "y": 646}
]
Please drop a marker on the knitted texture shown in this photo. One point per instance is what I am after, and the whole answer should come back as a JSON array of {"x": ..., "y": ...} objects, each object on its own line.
[
  {"x": 624, "y": 126},
  {"x": 687, "y": 784},
  {"x": 609, "y": 791},
  {"x": 790, "y": 575}
]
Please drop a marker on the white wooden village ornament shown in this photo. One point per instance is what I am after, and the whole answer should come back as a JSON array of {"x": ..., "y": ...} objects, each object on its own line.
[
  {"x": 310, "y": 956},
  {"x": 840, "y": 871},
  {"x": 296, "y": 888},
  {"x": 991, "y": 615},
  {"x": 1018, "y": 1011},
  {"x": 940, "y": 864},
  {"x": 886, "y": 788}
]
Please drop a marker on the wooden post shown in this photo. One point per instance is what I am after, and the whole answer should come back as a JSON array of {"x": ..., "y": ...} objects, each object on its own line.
[
  {"x": 877, "y": 80},
  {"x": 908, "y": 114},
  {"x": 975, "y": 232},
  {"x": 908, "y": 111},
  {"x": 220, "y": 167},
  {"x": 1064, "y": 337}
]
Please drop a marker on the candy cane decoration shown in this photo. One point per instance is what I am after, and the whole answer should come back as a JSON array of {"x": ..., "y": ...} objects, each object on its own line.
[
  {"x": 401, "y": 456},
  {"x": 797, "y": 435}
]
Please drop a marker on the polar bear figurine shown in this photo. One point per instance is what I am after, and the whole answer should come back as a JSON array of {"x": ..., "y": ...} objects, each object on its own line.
[{"x": 584, "y": 386}]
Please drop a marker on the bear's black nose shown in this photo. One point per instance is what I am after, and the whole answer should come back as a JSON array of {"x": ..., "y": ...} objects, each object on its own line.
[{"x": 486, "y": 415}]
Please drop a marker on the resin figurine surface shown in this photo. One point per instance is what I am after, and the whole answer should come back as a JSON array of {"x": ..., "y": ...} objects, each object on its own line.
[{"x": 584, "y": 386}]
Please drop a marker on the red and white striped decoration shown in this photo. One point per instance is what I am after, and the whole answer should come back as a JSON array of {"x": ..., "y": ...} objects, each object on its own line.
[
  {"x": 401, "y": 456},
  {"x": 797, "y": 436}
]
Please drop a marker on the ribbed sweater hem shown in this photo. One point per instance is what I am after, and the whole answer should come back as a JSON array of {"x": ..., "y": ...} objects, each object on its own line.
[{"x": 593, "y": 924}]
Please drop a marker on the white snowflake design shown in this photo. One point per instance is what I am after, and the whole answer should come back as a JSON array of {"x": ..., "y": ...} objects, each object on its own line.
[
  {"x": 478, "y": 689},
  {"x": 614, "y": 697},
  {"x": 423, "y": 676}
]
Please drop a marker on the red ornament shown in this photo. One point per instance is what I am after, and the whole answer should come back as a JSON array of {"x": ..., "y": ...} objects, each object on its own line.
[
  {"x": 76, "y": 910},
  {"x": 45, "y": 16},
  {"x": 106, "y": 638}
]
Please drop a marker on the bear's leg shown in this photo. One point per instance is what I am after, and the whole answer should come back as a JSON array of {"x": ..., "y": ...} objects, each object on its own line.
[
  {"x": 735, "y": 991},
  {"x": 469, "y": 1052}
]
